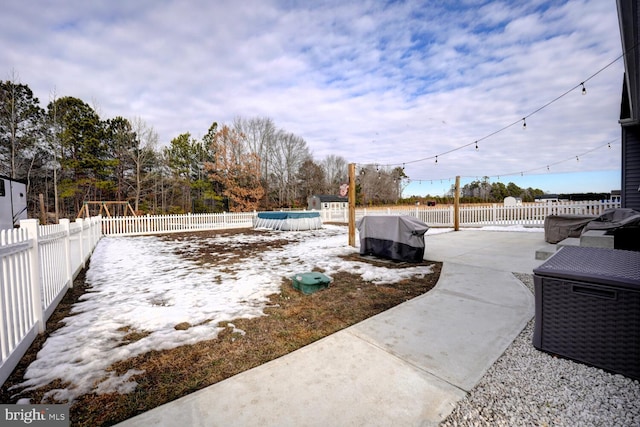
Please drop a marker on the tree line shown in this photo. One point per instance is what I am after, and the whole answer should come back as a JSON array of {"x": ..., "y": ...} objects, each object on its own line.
[
  {"x": 68, "y": 155},
  {"x": 483, "y": 191}
]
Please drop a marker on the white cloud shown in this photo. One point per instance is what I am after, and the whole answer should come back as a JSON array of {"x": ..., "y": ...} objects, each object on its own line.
[{"x": 372, "y": 82}]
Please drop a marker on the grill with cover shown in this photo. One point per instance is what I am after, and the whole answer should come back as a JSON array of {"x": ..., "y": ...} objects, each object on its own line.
[{"x": 396, "y": 237}]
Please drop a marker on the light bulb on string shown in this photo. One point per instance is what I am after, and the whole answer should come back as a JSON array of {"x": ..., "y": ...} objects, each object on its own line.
[
  {"x": 609, "y": 144},
  {"x": 524, "y": 123},
  {"x": 577, "y": 159},
  {"x": 584, "y": 89},
  {"x": 436, "y": 159},
  {"x": 476, "y": 145},
  {"x": 547, "y": 167}
]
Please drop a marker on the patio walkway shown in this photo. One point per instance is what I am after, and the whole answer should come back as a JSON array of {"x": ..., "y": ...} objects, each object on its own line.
[{"x": 407, "y": 366}]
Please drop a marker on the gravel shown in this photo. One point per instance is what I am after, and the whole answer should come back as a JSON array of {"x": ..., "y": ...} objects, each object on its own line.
[{"x": 528, "y": 387}]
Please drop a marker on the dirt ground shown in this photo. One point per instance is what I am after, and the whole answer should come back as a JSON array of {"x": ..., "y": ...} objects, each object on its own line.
[{"x": 292, "y": 321}]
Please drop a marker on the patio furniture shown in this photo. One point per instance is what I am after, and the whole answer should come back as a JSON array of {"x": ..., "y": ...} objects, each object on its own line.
[
  {"x": 559, "y": 227},
  {"x": 627, "y": 238},
  {"x": 613, "y": 219},
  {"x": 587, "y": 307}
]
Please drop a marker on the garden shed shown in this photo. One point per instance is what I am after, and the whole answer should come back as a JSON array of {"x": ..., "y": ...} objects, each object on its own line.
[
  {"x": 317, "y": 202},
  {"x": 13, "y": 202}
]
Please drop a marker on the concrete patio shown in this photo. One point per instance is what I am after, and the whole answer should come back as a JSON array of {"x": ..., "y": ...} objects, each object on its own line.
[{"x": 408, "y": 366}]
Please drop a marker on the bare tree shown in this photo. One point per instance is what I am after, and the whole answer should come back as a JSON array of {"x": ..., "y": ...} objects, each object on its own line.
[
  {"x": 289, "y": 154},
  {"x": 260, "y": 138},
  {"x": 142, "y": 156},
  {"x": 380, "y": 185},
  {"x": 336, "y": 172},
  {"x": 235, "y": 170}
]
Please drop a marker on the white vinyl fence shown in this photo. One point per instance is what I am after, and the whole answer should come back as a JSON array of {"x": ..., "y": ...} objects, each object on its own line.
[
  {"x": 161, "y": 224},
  {"x": 478, "y": 215},
  {"x": 37, "y": 267},
  {"x": 38, "y": 263}
]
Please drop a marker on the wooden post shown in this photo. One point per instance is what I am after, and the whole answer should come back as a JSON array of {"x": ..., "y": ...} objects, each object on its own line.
[
  {"x": 352, "y": 204},
  {"x": 131, "y": 209},
  {"x": 456, "y": 206},
  {"x": 43, "y": 212}
]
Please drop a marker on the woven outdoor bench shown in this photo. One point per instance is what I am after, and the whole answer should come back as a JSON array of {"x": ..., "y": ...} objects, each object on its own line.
[{"x": 588, "y": 307}]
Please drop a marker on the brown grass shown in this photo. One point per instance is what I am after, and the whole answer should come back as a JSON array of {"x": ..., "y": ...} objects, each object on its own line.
[{"x": 292, "y": 321}]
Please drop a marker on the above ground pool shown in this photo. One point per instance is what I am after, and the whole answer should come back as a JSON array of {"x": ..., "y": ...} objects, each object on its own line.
[{"x": 288, "y": 221}]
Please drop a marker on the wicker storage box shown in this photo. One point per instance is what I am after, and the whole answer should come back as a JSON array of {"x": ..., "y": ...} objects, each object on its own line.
[{"x": 588, "y": 308}]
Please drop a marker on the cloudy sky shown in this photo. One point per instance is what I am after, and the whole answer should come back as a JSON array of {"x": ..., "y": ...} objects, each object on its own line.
[{"x": 382, "y": 82}]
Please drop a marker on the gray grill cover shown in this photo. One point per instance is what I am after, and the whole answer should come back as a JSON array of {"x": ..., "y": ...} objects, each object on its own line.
[{"x": 397, "y": 237}]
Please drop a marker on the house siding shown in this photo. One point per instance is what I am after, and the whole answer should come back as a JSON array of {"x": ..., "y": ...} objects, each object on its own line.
[{"x": 631, "y": 167}]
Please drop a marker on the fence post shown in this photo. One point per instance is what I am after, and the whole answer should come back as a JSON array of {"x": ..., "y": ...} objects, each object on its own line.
[
  {"x": 80, "y": 222},
  {"x": 31, "y": 225},
  {"x": 64, "y": 222},
  {"x": 98, "y": 231}
]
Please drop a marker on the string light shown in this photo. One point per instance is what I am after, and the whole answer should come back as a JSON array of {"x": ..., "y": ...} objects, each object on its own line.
[
  {"x": 523, "y": 120},
  {"x": 436, "y": 159},
  {"x": 533, "y": 170},
  {"x": 476, "y": 145}
]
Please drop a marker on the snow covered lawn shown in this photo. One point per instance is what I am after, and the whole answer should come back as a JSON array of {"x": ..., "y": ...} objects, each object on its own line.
[{"x": 159, "y": 290}]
